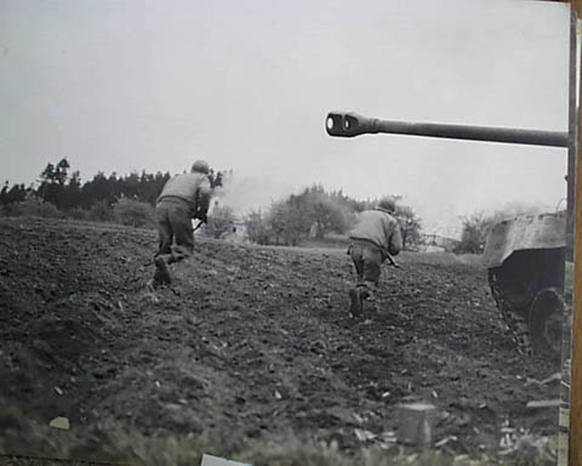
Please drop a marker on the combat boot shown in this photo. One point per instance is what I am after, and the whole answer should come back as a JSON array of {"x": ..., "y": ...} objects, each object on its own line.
[
  {"x": 162, "y": 274},
  {"x": 355, "y": 302},
  {"x": 366, "y": 298}
]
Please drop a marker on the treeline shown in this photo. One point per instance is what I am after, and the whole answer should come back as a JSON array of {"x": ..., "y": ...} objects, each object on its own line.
[
  {"x": 315, "y": 213},
  {"x": 128, "y": 199}
]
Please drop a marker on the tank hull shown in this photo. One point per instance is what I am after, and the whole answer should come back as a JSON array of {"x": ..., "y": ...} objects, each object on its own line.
[
  {"x": 525, "y": 258},
  {"x": 524, "y": 233}
]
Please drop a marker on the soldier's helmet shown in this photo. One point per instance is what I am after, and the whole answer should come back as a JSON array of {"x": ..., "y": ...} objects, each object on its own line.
[
  {"x": 201, "y": 166},
  {"x": 387, "y": 203}
]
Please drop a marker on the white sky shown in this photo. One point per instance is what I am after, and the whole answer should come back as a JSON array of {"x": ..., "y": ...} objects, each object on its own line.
[{"x": 131, "y": 85}]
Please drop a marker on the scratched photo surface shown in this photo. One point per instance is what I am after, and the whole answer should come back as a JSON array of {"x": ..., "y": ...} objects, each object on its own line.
[{"x": 261, "y": 342}]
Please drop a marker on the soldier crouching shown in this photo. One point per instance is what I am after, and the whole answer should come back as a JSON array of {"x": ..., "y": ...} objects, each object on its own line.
[
  {"x": 183, "y": 197},
  {"x": 375, "y": 237}
]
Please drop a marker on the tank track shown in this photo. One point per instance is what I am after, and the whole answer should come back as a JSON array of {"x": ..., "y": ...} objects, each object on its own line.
[{"x": 512, "y": 316}]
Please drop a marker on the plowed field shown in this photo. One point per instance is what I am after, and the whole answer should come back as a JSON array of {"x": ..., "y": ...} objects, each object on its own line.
[{"x": 252, "y": 342}]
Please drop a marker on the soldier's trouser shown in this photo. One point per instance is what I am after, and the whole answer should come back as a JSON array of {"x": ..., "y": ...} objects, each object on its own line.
[
  {"x": 367, "y": 258},
  {"x": 174, "y": 223}
]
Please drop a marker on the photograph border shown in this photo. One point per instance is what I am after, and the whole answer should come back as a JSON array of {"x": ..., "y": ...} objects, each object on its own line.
[
  {"x": 574, "y": 240},
  {"x": 575, "y": 170}
]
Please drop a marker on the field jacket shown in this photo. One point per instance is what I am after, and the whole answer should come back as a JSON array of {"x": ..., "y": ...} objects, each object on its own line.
[
  {"x": 193, "y": 188},
  {"x": 378, "y": 227}
]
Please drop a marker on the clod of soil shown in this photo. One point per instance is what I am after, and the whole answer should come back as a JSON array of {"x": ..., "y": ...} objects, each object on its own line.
[{"x": 253, "y": 341}]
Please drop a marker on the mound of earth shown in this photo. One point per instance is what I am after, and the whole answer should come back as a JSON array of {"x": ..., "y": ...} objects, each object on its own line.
[{"x": 253, "y": 342}]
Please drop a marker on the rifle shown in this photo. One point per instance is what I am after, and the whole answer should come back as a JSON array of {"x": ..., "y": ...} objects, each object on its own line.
[
  {"x": 391, "y": 260},
  {"x": 198, "y": 226},
  {"x": 201, "y": 216},
  {"x": 385, "y": 254}
]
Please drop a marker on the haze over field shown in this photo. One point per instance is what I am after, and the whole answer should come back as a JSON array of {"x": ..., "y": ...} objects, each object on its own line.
[{"x": 126, "y": 85}]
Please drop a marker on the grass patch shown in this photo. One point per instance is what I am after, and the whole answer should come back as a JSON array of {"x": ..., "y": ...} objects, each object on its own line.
[{"x": 107, "y": 443}]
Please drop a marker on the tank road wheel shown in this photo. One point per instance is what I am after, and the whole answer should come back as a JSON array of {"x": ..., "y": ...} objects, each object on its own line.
[{"x": 545, "y": 324}]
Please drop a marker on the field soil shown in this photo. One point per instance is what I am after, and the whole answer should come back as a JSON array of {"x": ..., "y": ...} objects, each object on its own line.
[{"x": 253, "y": 343}]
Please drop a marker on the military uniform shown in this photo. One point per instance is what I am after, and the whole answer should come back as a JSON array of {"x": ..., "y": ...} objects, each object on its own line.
[
  {"x": 376, "y": 234},
  {"x": 184, "y": 197}
]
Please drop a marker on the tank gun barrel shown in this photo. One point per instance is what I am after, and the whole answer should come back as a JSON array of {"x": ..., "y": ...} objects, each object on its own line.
[{"x": 348, "y": 125}]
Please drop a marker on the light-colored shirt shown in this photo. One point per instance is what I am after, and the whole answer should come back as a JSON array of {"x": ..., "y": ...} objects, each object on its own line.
[
  {"x": 380, "y": 228},
  {"x": 189, "y": 187}
]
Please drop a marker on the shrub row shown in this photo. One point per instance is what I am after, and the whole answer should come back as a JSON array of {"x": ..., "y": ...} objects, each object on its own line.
[{"x": 125, "y": 211}]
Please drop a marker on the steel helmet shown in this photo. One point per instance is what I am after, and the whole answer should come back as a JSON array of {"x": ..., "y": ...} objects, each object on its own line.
[
  {"x": 387, "y": 203},
  {"x": 201, "y": 166}
]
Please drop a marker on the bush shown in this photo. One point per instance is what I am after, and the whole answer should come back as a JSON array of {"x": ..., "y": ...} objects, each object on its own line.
[
  {"x": 134, "y": 213},
  {"x": 78, "y": 213},
  {"x": 475, "y": 230},
  {"x": 101, "y": 211},
  {"x": 220, "y": 221},
  {"x": 410, "y": 227},
  {"x": 257, "y": 229},
  {"x": 327, "y": 215},
  {"x": 288, "y": 223},
  {"x": 34, "y": 207}
]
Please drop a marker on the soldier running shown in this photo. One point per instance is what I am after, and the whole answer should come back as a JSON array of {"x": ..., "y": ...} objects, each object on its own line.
[
  {"x": 184, "y": 197},
  {"x": 375, "y": 238}
]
